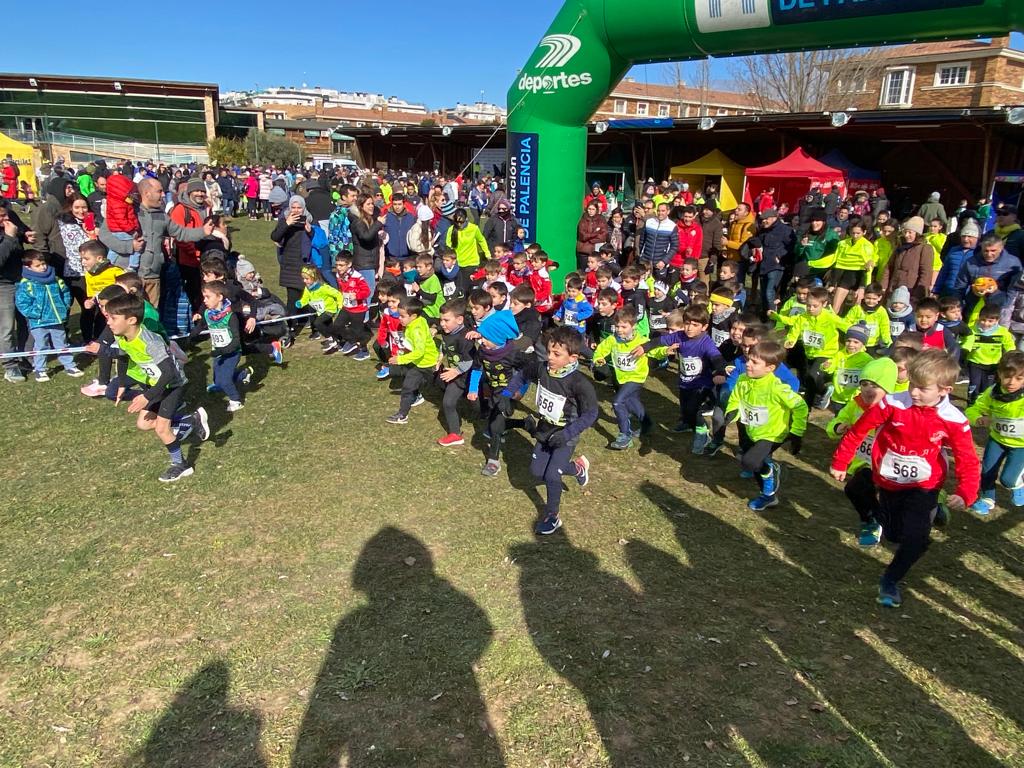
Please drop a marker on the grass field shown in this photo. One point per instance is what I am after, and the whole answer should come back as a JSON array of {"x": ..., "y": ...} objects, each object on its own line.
[{"x": 331, "y": 590}]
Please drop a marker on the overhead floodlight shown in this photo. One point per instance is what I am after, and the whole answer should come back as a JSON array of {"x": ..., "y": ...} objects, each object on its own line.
[
  {"x": 706, "y": 123},
  {"x": 32, "y": 81},
  {"x": 1015, "y": 116},
  {"x": 384, "y": 130},
  {"x": 839, "y": 119},
  {"x": 600, "y": 127},
  {"x": 117, "y": 85},
  {"x": 446, "y": 131}
]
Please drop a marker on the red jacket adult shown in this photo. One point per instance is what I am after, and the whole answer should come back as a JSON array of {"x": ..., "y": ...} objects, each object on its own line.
[
  {"x": 354, "y": 291},
  {"x": 907, "y": 452},
  {"x": 691, "y": 240},
  {"x": 187, "y": 254}
]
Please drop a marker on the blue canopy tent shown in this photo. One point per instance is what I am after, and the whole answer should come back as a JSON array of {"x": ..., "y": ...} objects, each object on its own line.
[{"x": 857, "y": 178}]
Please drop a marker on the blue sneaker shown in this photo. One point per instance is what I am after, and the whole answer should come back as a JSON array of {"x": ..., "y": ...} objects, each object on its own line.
[
  {"x": 420, "y": 400},
  {"x": 582, "y": 470},
  {"x": 889, "y": 595},
  {"x": 211, "y": 388},
  {"x": 745, "y": 475},
  {"x": 983, "y": 506},
  {"x": 361, "y": 355},
  {"x": 712, "y": 448},
  {"x": 276, "y": 353},
  {"x": 383, "y": 373},
  {"x": 348, "y": 348},
  {"x": 1017, "y": 497},
  {"x": 771, "y": 483},
  {"x": 762, "y": 502},
  {"x": 621, "y": 443},
  {"x": 548, "y": 525},
  {"x": 870, "y": 534},
  {"x": 701, "y": 438}
]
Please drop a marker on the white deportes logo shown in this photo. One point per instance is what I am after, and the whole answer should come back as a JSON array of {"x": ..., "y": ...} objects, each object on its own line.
[{"x": 561, "y": 48}]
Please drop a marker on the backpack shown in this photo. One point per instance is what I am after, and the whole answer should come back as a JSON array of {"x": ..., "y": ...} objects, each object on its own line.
[{"x": 339, "y": 232}]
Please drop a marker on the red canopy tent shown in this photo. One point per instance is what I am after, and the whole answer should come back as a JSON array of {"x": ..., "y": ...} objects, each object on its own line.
[{"x": 792, "y": 176}]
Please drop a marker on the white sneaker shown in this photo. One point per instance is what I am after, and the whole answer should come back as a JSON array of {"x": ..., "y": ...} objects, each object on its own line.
[
  {"x": 42, "y": 376},
  {"x": 234, "y": 405},
  {"x": 74, "y": 372}
]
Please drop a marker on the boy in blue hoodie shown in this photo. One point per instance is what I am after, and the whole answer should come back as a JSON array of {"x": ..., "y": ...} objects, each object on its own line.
[
  {"x": 575, "y": 308},
  {"x": 44, "y": 301}
]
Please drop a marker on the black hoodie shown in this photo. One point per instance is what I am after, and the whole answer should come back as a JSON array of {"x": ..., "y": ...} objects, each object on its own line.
[{"x": 45, "y": 220}]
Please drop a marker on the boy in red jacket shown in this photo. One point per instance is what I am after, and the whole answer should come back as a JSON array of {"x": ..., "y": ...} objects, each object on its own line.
[
  {"x": 908, "y": 468},
  {"x": 540, "y": 281},
  {"x": 355, "y": 294}
]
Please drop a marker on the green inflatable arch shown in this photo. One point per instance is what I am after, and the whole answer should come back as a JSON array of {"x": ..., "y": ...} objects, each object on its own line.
[{"x": 591, "y": 44}]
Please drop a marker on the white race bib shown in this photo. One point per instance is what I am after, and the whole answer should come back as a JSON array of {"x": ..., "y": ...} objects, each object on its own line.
[
  {"x": 691, "y": 366},
  {"x": 845, "y": 377},
  {"x": 348, "y": 300},
  {"x": 318, "y": 306},
  {"x": 220, "y": 337},
  {"x": 813, "y": 339},
  {"x": 864, "y": 449},
  {"x": 1008, "y": 427},
  {"x": 396, "y": 339},
  {"x": 658, "y": 322},
  {"x": 624, "y": 361},
  {"x": 719, "y": 337},
  {"x": 905, "y": 470},
  {"x": 896, "y": 328},
  {"x": 448, "y": 289},
  {"x": 152, "y": 370},
  {"x": 872, "y": 330},
  {"x": 550, "y": 405},
  {"x": 753, "y": 415},
  {"x": 569, "y": 317}
]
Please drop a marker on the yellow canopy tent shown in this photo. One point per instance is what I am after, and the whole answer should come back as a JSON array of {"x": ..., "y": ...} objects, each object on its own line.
[
  {"x": 716, "y": 168},
  {"x": 24, "y": 158}
]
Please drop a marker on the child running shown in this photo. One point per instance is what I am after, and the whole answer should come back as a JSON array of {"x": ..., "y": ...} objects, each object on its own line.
[
  {"x": 225, "y": 331},
  {"x": 908, "y": 467},
  {"x": 153, "y": 366},
  {"x": 770, "y": 413},
  {"x": 1001, "y": 409}
]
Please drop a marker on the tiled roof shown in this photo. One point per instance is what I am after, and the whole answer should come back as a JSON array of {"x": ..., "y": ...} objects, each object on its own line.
[{"x": 684, "y": 93}]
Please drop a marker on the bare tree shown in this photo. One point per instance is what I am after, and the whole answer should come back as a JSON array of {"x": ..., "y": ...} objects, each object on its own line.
[
  {"x": 808, "y": 81},
  {"x": 700, "y": 78}
]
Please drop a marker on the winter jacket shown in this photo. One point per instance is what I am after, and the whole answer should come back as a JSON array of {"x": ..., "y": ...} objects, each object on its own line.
[
  {"x": 777, "y": 243},
  {"x": 355, "y": 292},
  {"x": 227, "y": 188},
  {"x": 44, "y": 222},
  {"x": 421, "y": 351},
  {"x": 252, "y": 187},
  {"x": 767, "y": 408},
  {"x": 121, "y": 216},
  {"x": 909, "y": 439},
  {"x": 42, "y": 298},
  {"x": 318, "y": 201},
  {"x": 155, "y": 226},
  {"x": 187, "y": 214},
  {"x": 365, "y": 243},
  {"x": 740, "y": 231},
  {"x": 659, "y": 240},
  {"x": 945, "y": 283},
  {"x": 711, "y": 237},
  {"x": 397, "y": 228},
  {"x": 265, "y": 186},
  {"x": 930, "y": 211},
  {"x": 590, "y": 232},
  {"x": 910, "y": 266},
  {"x": 295, "y": 245},
  {"x": 498, "y": 231},
  {"x": 414, "y": 240},
  {"x": 854, "y": 256},
  {"x": 1005, "y": 271},
  {"x": 820, "y": 250}
]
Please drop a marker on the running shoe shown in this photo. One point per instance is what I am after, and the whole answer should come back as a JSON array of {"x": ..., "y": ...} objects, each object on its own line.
[
  {"x": 548, "y": 525},
  {"x": 175, "y": 472},
  {"x": 582, "y": 471},
  {"x": 870, "y": 534}
]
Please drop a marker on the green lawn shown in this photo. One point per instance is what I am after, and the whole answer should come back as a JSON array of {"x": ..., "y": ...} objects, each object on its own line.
[{"x": 331, "y": 590}]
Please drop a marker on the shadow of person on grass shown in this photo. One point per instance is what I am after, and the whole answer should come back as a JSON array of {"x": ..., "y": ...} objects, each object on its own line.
[
  {"x": 200, "y": 728},
  {"x": 397, "y": 685}
]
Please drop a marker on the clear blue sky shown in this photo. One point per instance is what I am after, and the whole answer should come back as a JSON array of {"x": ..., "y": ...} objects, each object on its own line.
[{"x": 469, "y": 46}]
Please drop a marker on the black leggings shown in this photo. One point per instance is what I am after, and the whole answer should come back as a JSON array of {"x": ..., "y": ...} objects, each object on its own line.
[
  {"x": 691, "y": 403},
  {"x": 755, "y": 455},
  {"x": 294, "y": 294},
  {"x": 815, "y": 380},
  {"x": 91, "y": 321}
]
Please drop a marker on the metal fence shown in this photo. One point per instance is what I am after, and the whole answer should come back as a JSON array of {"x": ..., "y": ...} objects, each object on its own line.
[{"x": 134, "y": 150}]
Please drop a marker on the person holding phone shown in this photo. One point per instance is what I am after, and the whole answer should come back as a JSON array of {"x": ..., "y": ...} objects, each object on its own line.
[{"x": 294, "y": 237}]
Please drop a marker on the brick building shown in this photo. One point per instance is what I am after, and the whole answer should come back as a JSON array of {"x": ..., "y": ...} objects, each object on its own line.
[
  {"x": 959, "y": 73},
  {"x": 630, "y": 99}
]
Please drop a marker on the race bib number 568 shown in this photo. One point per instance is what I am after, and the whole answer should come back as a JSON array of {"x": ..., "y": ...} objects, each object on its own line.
[{"x": 905, "y": 470}]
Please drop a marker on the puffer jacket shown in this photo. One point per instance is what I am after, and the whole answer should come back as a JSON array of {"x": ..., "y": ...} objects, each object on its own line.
[
  {"x": 42, "y": 298},
  {"x": 659, "y": 240},
  {"x": 740, "y": 231}
]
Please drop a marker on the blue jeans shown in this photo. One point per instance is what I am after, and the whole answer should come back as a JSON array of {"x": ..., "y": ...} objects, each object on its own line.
[
  {"x": 50, "y": 337},
  {"x": 770, "y": 290},
  {"x": 1012, "y": 461},
  {"x": 370, "y": 275},
  {"x": 627, "y": 403},
  {"x": 225, "y": 373}
]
